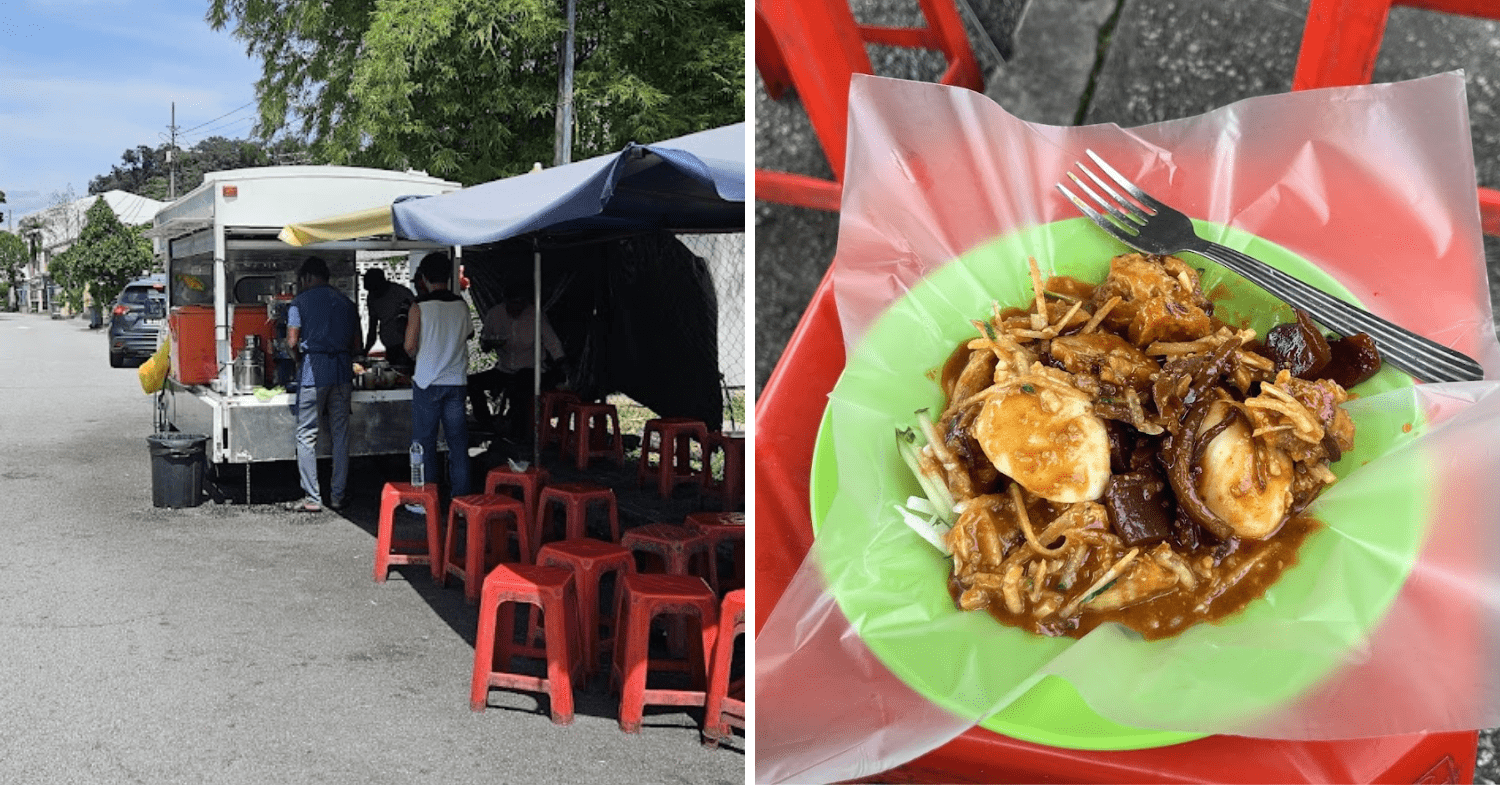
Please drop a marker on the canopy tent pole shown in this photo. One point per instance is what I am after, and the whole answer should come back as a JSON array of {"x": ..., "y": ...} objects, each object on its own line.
[{"x": 536, "y": 365}]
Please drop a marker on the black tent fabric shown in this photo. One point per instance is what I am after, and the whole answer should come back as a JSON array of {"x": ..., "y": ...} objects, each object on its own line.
[{"x": 636, "y": 315}]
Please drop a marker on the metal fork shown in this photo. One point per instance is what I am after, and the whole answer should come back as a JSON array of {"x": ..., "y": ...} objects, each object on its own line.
[{"x": 1154, "y": 228}]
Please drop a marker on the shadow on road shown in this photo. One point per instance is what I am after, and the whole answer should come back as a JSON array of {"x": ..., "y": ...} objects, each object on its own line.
[{"x": 272, "y": 485}]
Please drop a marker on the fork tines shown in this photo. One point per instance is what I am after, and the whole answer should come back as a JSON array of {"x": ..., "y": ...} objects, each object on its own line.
[{"x": 1128, "y": 214}]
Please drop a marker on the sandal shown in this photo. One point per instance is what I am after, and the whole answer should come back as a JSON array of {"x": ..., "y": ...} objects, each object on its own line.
[{"x": 306, "y": 505}]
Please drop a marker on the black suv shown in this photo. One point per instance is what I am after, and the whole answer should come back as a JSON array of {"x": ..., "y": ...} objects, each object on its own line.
[{"x": 136, "y": 319}]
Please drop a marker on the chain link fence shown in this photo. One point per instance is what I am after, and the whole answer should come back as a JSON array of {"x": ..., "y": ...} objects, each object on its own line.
[{"x": 725, "y": 255}]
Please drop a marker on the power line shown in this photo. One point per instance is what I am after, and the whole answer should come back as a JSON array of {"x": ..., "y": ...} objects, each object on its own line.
[{"x": 220, "y": 117}]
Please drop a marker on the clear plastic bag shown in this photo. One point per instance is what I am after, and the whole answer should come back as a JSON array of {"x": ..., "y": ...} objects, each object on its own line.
[{"x": 1392, "y": 625}]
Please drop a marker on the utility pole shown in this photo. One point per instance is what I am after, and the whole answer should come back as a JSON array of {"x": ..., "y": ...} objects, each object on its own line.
[
  {"x": 172, "y": 156},
  {"x": 564, "y": 144}
]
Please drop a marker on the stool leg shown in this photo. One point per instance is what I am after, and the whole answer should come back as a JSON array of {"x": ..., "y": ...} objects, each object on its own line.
[
  {"x": 559, "y": 626},
  {"x": 701, "y": 652},
  {"x": 524, "y": 541},
  {"x": 588, "y": 623},
  {"x": 714, "y": 727},
  {"x": 434, "y": 535},
  {"x": 447, "y": 555},
  {"x": 578, "y": 518},
  {"x": 474, "y": 554},
  {"x": 383, "y": 533},
  {"x": 634, "y": 659},
  {"x": 484, "y": 651}
]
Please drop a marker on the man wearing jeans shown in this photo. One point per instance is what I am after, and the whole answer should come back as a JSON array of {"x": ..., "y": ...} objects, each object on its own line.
[
  {"x": 323, "y": 334},
  {"x": 437, "y": 335}
]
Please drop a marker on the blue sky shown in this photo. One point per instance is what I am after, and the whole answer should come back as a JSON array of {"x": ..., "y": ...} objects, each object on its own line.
[{"x": 81, "y": 81}]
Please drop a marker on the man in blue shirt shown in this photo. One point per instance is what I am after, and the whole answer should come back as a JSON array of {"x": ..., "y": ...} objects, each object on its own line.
[{"x": 323, "y": 333}]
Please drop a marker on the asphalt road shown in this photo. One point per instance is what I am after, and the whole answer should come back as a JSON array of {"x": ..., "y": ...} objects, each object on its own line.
[{"x": 230, "y": 644}]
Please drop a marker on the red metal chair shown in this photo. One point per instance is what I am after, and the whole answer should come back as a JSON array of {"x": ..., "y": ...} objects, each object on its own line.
[
  {"x": 815, "y": 46},
  {"x": 1341, "y": 42}
]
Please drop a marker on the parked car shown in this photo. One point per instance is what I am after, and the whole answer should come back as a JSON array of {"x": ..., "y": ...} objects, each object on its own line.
[{"x": 136, "y": 320}]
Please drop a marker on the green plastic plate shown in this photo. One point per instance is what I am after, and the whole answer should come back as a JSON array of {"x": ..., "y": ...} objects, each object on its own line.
[{"x": 940, "y": 655}]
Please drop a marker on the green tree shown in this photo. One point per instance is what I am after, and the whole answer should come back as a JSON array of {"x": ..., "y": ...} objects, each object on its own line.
[
  {"x": 144, "y": 171},
  {"x": 467, "y": 89},
  {"x": 13, "y": 257},
  {"x": 106, "y": 256}
]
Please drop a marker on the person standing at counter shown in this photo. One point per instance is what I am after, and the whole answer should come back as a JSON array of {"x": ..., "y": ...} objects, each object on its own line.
[
  {"x": 437, "y": 337},
  {"x": 388, "y": 303},
  {"x": 323, "y": 335},
  {"x": 510, "y": 330}
]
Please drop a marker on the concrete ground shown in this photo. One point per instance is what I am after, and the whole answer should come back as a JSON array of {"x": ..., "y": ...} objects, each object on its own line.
[
  {"x": 1129, "y": 62},
  {"x": 245, "y": 644}
]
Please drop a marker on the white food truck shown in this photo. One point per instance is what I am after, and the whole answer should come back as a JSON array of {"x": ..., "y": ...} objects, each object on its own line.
[{"x": 229, "y": 282}]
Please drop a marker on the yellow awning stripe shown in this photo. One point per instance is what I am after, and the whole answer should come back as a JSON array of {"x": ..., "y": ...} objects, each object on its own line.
[{"x": 363, "y": 223}]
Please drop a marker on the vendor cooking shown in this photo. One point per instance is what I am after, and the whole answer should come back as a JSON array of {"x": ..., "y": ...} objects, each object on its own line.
[{"x": 388, "y": 303}]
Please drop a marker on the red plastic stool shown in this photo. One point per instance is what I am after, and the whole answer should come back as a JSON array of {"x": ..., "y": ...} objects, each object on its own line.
[
  {"x": 643, "y": 598},
  {"x": 481, "y": 511},
  {"x": 527, "y": 483},
  {"x": 387, "y": 555},
  {"x": 594, "y": 432},
  {"x": 816, "y": 46},
  {"x": 575, "y": 498},
  {"x": 590, "y": 560},
  {"x": 722, "y": 709},
  {"x": 675, "y": 545},
  {"x": 673, "y": 448},
  {"x": 1341, "y": 42},
  {"x": 729, "y": 488},
  {"x": 718, "y": 527},
  {"x": 551, "y": 590},
  {"x": 555, "y": 404}
]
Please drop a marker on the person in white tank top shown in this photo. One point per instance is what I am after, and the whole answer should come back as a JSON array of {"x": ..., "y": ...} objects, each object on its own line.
[{"x": 437, "y": 335}]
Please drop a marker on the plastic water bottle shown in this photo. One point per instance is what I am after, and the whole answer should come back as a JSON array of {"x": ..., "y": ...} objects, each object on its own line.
[{"x": 418, "y": 467}]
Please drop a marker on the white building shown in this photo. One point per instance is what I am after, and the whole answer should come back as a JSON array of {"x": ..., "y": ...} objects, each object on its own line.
[{"x": 51, "y": 231}]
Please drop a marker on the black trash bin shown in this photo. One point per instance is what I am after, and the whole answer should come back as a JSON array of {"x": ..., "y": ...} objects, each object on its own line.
[{"x": 177, "y": 461}]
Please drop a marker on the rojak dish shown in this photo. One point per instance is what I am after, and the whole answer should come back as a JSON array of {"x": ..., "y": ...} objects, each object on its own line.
[{"x": 1115, "y": 452}]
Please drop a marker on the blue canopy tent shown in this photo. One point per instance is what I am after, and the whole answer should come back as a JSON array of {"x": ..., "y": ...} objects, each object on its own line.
[
  {"x": 695, "y": 183},
  {"x": 612, "y": 217}
]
